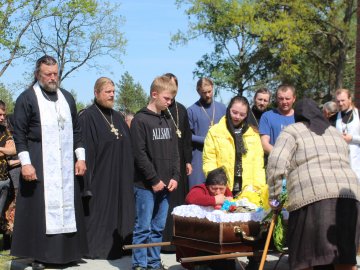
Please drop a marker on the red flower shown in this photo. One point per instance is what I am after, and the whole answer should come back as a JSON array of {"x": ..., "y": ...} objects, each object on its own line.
[{"x": 232, "y": 208}]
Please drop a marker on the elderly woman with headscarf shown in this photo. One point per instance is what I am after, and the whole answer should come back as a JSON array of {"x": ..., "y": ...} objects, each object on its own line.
[{"x": 323, "y": 191}]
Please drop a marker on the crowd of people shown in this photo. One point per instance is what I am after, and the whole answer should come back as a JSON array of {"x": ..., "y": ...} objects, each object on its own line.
[{"x": 91, "y": 181}]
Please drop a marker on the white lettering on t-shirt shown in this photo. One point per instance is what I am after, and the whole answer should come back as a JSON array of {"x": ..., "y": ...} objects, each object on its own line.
[{"x": 161, "y": 134}]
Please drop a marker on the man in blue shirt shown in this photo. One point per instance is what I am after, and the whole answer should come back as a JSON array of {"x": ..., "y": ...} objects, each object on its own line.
[{"x": 273, "y": 121}]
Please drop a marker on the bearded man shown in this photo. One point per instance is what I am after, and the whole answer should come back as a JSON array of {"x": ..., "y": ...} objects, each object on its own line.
[
  {"x": 347, "y": 121},
  {"x": 49, "y": 225},
  {"x": 261, "y": 103},
  {"x": 203, "y": 114},
  {"x": 108, "y": 182}
]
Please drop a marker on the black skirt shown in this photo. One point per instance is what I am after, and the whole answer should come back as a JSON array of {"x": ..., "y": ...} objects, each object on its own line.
[{"x": 325, "y": 232}]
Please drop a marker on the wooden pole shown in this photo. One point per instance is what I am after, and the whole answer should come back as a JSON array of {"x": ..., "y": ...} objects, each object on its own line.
[
  {"x": 268, "y": 239},
  {"x": 216, "y": 257},
  {"x": 160, "y": 244}
]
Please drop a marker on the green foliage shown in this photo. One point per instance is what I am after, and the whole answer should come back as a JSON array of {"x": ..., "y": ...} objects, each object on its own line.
[
  {"x": 79, "y": 105},
  {"x": 5, "y": 259},
  {"x": 7, "y": 97},
  {"x": 75, "y": 32},
  {"x": 279, "y": 234},
  {"x": 309, "y": 43},
  {"x": 16, "y": 17},
  {"x": 130, "y": 96}
]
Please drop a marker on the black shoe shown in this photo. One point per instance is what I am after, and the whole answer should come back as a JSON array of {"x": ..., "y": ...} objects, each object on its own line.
[
  {"x": 38, "y": 266},
  {"x": 252, "y": 265}
]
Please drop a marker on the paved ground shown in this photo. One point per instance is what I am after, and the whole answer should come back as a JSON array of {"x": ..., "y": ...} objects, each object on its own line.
[
  {"x": 168, "y": 261},
  {"x": 125, "y": 264}
]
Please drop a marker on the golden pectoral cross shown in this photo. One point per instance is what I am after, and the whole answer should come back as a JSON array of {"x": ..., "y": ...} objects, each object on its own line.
[
  {"x": 178, "y": 132},
  {"x": 115, "y": 131}
]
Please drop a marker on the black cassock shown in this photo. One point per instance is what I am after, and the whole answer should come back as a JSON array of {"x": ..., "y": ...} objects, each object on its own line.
[
  {"x": 29, "y": 237},
  {"x": 177, "y": 197},
  {"x": 108, "y": 183}
]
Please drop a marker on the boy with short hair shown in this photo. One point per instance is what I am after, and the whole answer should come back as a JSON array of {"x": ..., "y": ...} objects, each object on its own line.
[{"x": 156, "y": 171}]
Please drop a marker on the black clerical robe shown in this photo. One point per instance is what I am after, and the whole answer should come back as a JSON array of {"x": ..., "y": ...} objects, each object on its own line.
[
  {"x": 108, "y": 182},
  {"x": 177, "y": 197},
  {"x": 29, "y": 237}
]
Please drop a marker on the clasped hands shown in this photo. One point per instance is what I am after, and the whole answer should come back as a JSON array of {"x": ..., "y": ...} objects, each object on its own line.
[{"x": 161, "y": 186}]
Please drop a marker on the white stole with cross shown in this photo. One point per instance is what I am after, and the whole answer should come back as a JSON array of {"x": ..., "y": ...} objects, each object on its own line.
[{"x": 58, "y": 163}]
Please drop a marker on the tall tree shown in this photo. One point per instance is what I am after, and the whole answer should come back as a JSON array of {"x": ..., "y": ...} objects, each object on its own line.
[
  {"x": 257, "y": 42},
  {"x": 130, "y": 95},
  {"x": 238, "y": 60},
  {"x": 78, "y": 33},
  {"x": 16, "y": 17},
  {"x": 79, "y": 105},
  {"x": 7, "y": 97}
]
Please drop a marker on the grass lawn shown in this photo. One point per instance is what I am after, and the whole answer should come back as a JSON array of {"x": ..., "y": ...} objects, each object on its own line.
[
  {"x": 4, "y": 259},
  {"x": 4, "y": 255}
]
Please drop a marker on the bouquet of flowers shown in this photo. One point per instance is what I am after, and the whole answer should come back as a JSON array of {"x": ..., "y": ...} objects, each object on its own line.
[{"x": 250, "y": 199}]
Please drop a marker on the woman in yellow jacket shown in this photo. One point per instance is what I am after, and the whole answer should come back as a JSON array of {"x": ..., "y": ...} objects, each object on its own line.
[{"x": 236, "y": 146}]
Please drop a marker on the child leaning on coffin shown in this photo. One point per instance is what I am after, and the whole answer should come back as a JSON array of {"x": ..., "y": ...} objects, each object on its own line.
[{"x": 211, "y": 193}]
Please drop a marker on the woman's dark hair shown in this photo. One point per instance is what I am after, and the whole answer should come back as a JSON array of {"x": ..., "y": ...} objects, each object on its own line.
[
  {"x": 240, "y": 99},
  {"x": 216, "y": 177},
  {"x": 239, "y": 143}
]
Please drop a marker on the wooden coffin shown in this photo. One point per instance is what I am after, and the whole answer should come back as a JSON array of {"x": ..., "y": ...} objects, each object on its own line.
[{"x": 217, "y": 237}]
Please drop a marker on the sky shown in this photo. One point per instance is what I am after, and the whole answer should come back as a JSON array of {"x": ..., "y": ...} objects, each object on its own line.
[{"x": 148, "y": 28}]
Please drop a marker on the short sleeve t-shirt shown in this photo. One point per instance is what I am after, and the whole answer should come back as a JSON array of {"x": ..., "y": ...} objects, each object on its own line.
[{"x": 272, "y": 123}]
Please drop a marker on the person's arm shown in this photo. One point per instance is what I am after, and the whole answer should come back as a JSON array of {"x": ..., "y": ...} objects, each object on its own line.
[
  {"x": 355, "y": 139},
  {"x": 194, "y": 138},
  {"x": 258, "y": 162},
  {"x": 278, "y": 163},
  {"x": 173, "y": 183},
  {"x": 9, "y": 148},
  {"x": 80, "y": 165},
  {"x": 197, "y": 195},
  {"x": 209, "y": 153},
  {"x": 198, "y": 139},
  {"x": 22, "y": 114},
  {"x": 187, "y": 139},
  {"x": 13, "y": 163},
  {"x": 142, "y": 161},
  {"x": 90, "y": 140},
  {"x": 265, "y": 142},
  {"x": 265, "y": 131}
]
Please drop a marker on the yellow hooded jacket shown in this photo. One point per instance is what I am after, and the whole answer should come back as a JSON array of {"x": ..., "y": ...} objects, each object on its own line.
[{"x": 219, "y": 150}]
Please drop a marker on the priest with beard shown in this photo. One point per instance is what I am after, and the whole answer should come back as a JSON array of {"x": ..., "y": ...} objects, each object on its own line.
[
  {"x": 203, "y": 114},
  {"x": 261, "y": 103},
  {"x": 108, "y": 183},
  {"x": 179, "y": 118},
  {"x": 49, "y": 225}
]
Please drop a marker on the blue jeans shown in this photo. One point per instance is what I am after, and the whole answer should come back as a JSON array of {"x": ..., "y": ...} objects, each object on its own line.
[
  {"x": 151, "y": 213},
  {"x": 4, "y": 190}
]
